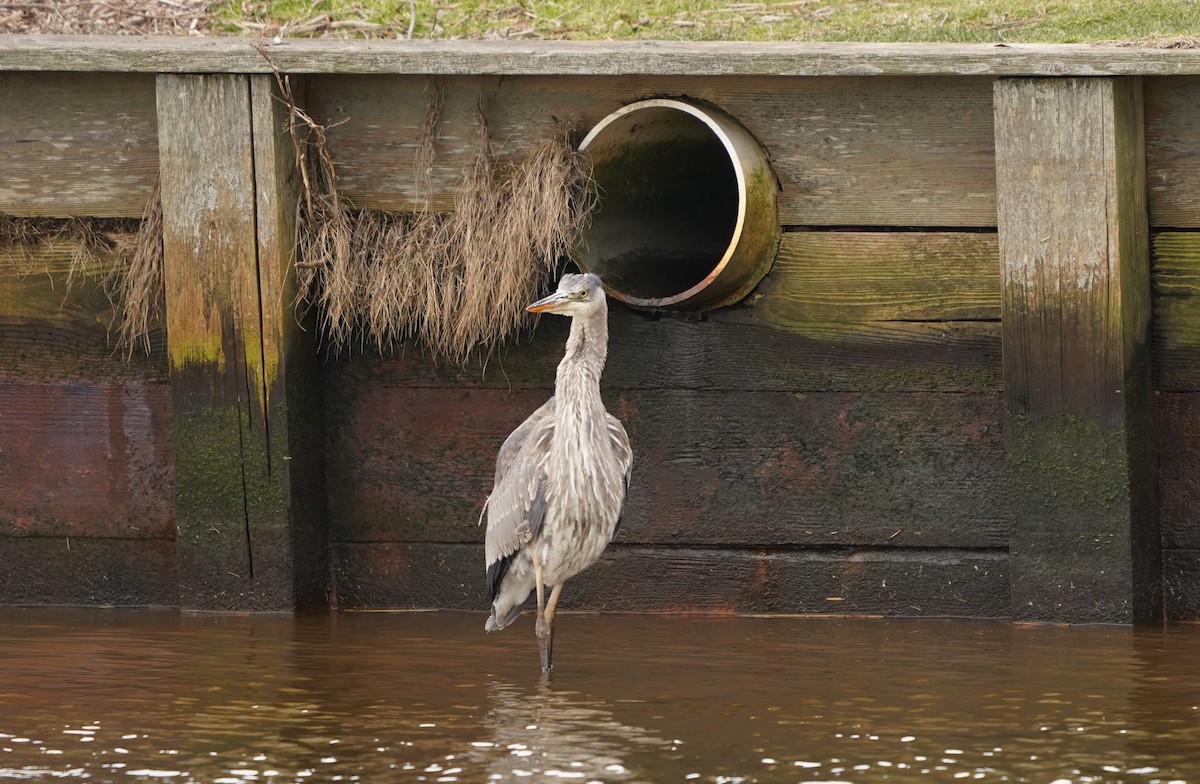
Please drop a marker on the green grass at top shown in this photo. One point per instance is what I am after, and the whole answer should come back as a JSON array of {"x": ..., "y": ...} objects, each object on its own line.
[{"x": 778, "y": 20}]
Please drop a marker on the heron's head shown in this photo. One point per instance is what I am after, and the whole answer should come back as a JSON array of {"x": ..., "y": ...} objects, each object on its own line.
[{"x": 577, "y": 295}]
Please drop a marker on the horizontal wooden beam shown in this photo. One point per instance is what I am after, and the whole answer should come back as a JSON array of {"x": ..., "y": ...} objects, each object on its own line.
[
  {"x": 711, "y": 468},
  {"x": 919, "y": 582},
  {"x": 700, "y": 58},
  {"x": 847, "y": 151}
]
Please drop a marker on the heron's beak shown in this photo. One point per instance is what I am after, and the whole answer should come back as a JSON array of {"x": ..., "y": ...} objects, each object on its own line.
[{"x": 555, "y": 303}]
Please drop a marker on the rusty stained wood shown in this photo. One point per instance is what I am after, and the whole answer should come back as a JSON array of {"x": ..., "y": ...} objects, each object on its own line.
[
  {"x": 74, "y": 144},
  {"x": 702, "y": 58},
  {"x": 233, "y": 505},
  {"x": 711, "y": 468},
  {"x": 1076, "y": 316},
  {"x": 85, "y": 458},
  {"x": 847, "y": 151},
  {"x": 896, "y": 582}
]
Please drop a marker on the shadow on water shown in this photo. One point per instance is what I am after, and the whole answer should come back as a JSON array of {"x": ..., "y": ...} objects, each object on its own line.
[{"x": 130, "y": 696}]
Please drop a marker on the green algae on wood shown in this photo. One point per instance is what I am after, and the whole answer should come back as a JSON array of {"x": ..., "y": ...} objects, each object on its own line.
[
  {"x": 249, "y": 521},
  {"x": 1073, "y": 239}
]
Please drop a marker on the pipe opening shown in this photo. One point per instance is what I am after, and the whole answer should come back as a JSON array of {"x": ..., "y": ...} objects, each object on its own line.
[{"x": 674, "y": 184}]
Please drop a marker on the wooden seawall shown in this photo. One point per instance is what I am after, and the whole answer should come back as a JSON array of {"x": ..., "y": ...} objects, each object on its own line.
[{"x": 970, "y": 384}]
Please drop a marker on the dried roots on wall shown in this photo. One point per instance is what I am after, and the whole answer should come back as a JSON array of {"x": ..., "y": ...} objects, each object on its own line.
[
  {"x": 124, "y": 254},
  {"x": 456, "y": 281}
]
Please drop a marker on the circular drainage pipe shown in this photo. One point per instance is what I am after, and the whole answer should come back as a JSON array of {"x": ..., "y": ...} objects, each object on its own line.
[{"x": 687, "y": 215}]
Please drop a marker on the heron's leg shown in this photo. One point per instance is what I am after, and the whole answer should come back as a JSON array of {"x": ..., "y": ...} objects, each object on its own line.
[
  {"x": 551, "y": 605},
  {"x": 541, "y": 628}
]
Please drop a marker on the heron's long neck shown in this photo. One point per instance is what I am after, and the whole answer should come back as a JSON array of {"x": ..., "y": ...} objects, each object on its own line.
[{"x": 577, "y": 382}]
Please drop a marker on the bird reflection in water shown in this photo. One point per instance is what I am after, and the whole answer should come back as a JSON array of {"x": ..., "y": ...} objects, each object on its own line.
[{"x": 542, "y": 731}]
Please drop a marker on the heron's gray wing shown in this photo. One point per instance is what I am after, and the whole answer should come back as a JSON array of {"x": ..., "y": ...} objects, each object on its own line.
[
  {"x": 516, "y": 439},
  {"x": 623, "y": 453},
  {"x": 517, "y": 505}
]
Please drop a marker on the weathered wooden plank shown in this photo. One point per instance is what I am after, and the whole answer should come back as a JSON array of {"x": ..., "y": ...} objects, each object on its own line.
[
  {"x": 1176, "y": 280},
  {"x": 711, "y": 468},
  {"x": 54, "y": 327},
  {"x": 86, "y": 572},
  {"x": 734, "y": 349},
  {"x": 659, "y": 580},
  {"x": 75, "y": 144},
  {"x": 1178, "y": 427},
  {"x": 882, "y": 276},
  {"x": 297, "y": 534},
  {"x": 85, "y": 459},
  {"x": 1173, "y": 151},
  {"x": 848, "y": 151},
  {"x": 607, "y": 58},
  {"x": 1181, "y": 584},
  {"x": 234, "y": 513},
  {"x": 1078, "y": 393}
]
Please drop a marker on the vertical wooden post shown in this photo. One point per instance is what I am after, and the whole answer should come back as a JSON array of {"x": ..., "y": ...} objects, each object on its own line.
[
  {"x": 1071, "y": 201},
  {"x": 242, "y": 543}
]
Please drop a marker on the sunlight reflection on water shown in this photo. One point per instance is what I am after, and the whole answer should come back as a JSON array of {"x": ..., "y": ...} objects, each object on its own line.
[{"x": 158, "y": 696}]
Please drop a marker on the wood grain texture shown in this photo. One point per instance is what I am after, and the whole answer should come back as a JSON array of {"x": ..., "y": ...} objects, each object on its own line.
[
  {"x": 847, "y": 151},
  {"x": 882, "y": 276},
  {"x": 1181, "y": 584},
  {"x": 86, "y": 458},
  {"x": 852, "y": 582},
  {"x": 1173, "y": 151},
  {"x": 1178, "y": 419},
  {"x": 74, "y": 144},
  {"x": 87, "y": 572},
  {"x": 1076, "y": 317},
  {"x": 54, "y": 327},
  {"x": 299, "y": 535},
  {"x": 1076, "y": 274},
  {"x": 229, "y": 506},
  {"x": 701, "y": 58},
  {"x": 710, "y": 468},
  {"x": 763, "y": 345},
  {"x": 1176, "y": 285}
]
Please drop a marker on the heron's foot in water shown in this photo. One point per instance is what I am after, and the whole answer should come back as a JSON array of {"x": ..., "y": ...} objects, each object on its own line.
[{"x": 545, "y": 637}]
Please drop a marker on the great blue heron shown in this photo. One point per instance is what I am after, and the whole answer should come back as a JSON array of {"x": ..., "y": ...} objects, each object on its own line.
[{"x": 561, "y": 476}]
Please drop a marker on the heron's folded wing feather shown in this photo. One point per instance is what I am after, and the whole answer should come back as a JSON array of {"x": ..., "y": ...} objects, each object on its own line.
[
  {"x": 623, "y": 453},
  {"x": 517, "y": 438},
  {"x": 517, "y": 504}
]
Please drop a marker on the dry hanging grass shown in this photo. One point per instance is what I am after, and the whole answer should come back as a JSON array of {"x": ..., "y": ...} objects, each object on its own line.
[
  {"x": 124, "y": 255},
  {"x": 139, "y": 291},
  {"x": 459, "y": 281}
]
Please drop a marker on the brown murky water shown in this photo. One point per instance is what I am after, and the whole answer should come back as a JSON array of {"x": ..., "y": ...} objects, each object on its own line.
[{"x": 145, "y": 696}]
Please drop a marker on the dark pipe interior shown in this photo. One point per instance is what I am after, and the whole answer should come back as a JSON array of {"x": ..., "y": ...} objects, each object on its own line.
[{"x": 668, "y": 203}]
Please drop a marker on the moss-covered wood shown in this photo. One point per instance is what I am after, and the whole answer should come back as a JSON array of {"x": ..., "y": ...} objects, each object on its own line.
[
  {"x": 1176, "y": 276},
  {"x": 1076, "y": 318},
  {"x": 57, "y": 325},
  {"x": 847, "y": 276},
  {"x": 227, "y": 245}
]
